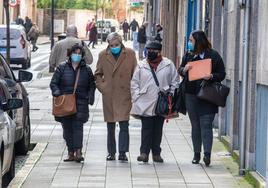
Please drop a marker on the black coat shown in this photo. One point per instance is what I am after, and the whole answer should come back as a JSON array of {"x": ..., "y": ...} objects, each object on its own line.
[
  {"x": 142, "y": 35},
  {"x": 63, "y": 82},
  {"x": 193, "y": 87}
]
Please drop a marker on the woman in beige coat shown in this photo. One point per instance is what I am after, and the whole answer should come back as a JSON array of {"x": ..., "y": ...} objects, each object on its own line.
[
  {"x": 113, "y": 74},
  {"x": 144, "y": 93}
]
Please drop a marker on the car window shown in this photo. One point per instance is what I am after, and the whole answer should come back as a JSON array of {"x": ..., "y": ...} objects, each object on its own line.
[{"x": 14, "y": 34}]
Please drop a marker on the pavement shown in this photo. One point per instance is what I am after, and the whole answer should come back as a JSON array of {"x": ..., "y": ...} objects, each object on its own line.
[{"x": 47, "y": 169}]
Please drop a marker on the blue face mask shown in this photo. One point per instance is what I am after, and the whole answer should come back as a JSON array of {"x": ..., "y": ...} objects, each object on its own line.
[
  {"x": 116, "y": 50},
  {"x": 190, "y": 46},
  {"x": 76, "y": 58}
]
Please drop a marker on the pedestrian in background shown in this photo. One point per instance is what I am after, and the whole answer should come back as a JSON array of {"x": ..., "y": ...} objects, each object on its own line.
[
  {"x": 201, "y": 113},
  {"x": 134, "y": 26},
  {"x": 93, "y": 35},
  {"x": 89, "y": 26},
  {"x": 63, "y": 82},
  {"x": 113, "y": 74},
  {"x": 33, "y": 35},
  {"x": 125, "y": 27},
  {"x": 28, "y": 24},
  {"x": 144, "y": 93},
  {"x": 59, "y": 51},
  {"x": 159, "y": 33},
  {"x": 142, "y": 39}
]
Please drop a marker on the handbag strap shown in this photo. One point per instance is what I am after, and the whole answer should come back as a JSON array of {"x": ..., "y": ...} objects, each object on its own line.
[
  {"x": 76, "y": 80},
  {"x": 154, "y": 75}
]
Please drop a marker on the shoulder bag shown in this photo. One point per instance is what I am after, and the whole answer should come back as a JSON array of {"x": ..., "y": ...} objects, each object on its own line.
[{"x": 65, "y": 105}]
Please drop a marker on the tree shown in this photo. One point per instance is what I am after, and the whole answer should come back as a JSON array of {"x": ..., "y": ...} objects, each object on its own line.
[{"x": 68, "y": 4}]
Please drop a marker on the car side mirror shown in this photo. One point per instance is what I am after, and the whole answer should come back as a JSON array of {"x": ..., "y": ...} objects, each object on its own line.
[
  {"x": 25, "y": 76},
  {"x": 10, "y": 83},
  {"x": 12, "y": 104}
]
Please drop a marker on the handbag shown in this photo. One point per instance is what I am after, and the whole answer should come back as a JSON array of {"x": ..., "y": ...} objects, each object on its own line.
[
  {"x": 65, "y": 105},
  {"x": 213, "y": 92},
  {"x": 164, "y": 100},
  {"x": 179, "y": 98}
]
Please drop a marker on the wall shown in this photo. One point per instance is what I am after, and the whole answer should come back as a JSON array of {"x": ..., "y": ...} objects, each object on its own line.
[{"x": 1, "y": 13}]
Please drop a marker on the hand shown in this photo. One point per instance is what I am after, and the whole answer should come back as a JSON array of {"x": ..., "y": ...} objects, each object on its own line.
[
  {"x": 187, "y": 68},
  {"x": 208, "y": 77}
]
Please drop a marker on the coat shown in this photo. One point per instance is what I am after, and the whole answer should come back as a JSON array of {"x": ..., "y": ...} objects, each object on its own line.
[
  {"x": 142, "y": 35},
  {"x": 63, "y": 81},
  {"x": 193, "y": 87},
  {"x": 59, "y": 52},
  {"x": 113, "y": 81},
  {"x": 144, "y": 91},
  {"x": 93, "y": 34}
]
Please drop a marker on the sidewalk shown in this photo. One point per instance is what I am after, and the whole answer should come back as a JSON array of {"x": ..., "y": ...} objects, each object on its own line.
[{"x": 177, "y": 170}]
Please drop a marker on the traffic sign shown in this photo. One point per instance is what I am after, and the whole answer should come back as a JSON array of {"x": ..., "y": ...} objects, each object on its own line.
[{"x": 13, "y": 3}]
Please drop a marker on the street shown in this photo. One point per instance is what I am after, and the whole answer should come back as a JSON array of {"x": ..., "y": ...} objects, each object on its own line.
[{"x": 44, "y": 167}]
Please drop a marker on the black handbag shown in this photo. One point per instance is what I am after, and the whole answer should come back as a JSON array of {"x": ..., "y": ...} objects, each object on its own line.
[
  {"x": 179, "y": 98},
  {"x": 164, "y": 101},
  {"x": 214, "y": 92}
]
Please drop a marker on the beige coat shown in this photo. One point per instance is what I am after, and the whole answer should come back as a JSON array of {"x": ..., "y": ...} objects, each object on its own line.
[
  {"x": 113, "y": 81},
  {"x": 59, "y": 51},
  {"x": 144, "y": 90}
]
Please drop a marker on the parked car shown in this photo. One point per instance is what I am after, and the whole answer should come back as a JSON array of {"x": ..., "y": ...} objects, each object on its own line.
[
  {"x": 20, "y": 115},
  {"x": 20, "y": 47},
  {"x": 107, "y": 26},
  {"x": 7, "y": 134}
]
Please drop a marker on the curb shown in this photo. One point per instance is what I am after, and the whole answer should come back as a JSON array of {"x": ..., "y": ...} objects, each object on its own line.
[{"x": 23, "y": 173}]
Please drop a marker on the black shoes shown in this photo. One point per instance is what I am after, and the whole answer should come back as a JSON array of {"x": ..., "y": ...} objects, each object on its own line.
[
  {"x": 143, "y": 158},
  {"x": 110, "y": 157},
  {"x": 206, "y": 159},
  {"x": 78, "y": 156},
  {"x": 70, "y": 157},
  {"x": 196, "y": 158},
  {"x": 122, "y": 157},
  {"x": 158, "y": 159}
]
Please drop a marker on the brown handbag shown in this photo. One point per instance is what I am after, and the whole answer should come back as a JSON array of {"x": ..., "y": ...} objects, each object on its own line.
[{"x": 65, "y": 105}]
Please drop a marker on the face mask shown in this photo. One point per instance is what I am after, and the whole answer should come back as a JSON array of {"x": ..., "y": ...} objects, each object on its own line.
[
  {"x": 116, "y": 50},
  {"x": 76, "y": 58},
  {"x": 152, "y": 55},
  {"x": 190, "y": 46}
]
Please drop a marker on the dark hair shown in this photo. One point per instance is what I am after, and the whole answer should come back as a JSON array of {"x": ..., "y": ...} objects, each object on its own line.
[
  {"x": 201, "y": 41},
  {"x": 74, "y": 48}
]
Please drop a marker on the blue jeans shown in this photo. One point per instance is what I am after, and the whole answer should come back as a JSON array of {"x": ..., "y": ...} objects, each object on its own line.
[
  {"x": 202, "y": 127},
  {"x": 123, "y": 137}
]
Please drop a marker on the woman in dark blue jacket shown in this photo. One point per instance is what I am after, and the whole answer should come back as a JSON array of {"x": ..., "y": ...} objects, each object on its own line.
[
  {"x": 201, "y": 113},
  {"x": 63, "y": 82}
]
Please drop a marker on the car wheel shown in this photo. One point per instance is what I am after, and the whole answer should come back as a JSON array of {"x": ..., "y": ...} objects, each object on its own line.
[
  {"x": 11, "y": 172},
  {"x": 22, "y": 146}
]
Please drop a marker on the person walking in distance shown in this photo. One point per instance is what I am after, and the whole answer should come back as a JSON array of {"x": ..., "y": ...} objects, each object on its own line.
[
  {"x": 93, "y": 35},
  {"x": 201, "y": 112},
  {"x": 74, "y": 76},
  {"x": 58, "y": 53},
  {"x": 142, "y": 39},
  {"x": 125, "y": 27},
  {"x": 33, "y": 35},
  {"x": 114, "y": 71},
  {"x": 134, "y": 26}
]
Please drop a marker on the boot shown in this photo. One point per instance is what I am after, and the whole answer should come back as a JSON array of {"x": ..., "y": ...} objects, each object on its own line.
[
  {"x": 158, "y": 159},
  {"x": 122, "y": 157},
  {"x": 143, "y": 157},
  {"x": 196, "y": 158},
  {"x": 206, "y": 158},
  {"x": 70, "y": 157},
  {"x": 110, "y": 157},
  {"x": 78, "y": 156}
]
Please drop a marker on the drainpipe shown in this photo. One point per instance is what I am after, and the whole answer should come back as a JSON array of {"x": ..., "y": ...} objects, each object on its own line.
[{"x": 245, "y": 4}]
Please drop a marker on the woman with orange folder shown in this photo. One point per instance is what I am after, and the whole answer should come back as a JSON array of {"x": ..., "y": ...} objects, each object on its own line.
[{"x": 201, "y": 113}]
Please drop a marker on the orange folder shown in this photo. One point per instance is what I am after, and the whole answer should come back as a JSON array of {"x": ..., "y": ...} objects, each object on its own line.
[{"x": 199, "y": 69}]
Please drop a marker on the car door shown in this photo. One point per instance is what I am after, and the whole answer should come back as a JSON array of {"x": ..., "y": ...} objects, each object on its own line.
[{"x": 15, "y": 91}]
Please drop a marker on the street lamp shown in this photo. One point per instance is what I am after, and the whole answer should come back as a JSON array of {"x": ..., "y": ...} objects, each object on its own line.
[
  {"x": 6, "y": 6},
  {"x": 52, "y": 25}
]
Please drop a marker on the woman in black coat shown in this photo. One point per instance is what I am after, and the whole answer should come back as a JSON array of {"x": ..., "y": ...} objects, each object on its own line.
[
  {"x": 93, "y": 35},
  {"x": 63, "y": 82},
  {"x": 201, "y": 113}
]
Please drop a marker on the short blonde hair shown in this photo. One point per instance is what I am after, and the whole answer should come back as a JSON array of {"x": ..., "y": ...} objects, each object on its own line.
[{"x": 114, "y": 36}]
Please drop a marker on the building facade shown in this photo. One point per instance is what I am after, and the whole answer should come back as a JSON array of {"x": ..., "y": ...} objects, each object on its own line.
[{"x": 237, "y": 30}]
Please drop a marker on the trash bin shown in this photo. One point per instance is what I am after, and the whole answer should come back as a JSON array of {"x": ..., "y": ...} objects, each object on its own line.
[{"x": 61, "y": 36}]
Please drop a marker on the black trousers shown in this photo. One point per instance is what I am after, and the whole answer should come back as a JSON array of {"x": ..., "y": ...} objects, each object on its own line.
[
  {"x": 73, "y": 134},
  {"x": 123, "y": 137},
  {"x": 151, "y": 134},
  {"x": 202, "y": 127}
]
